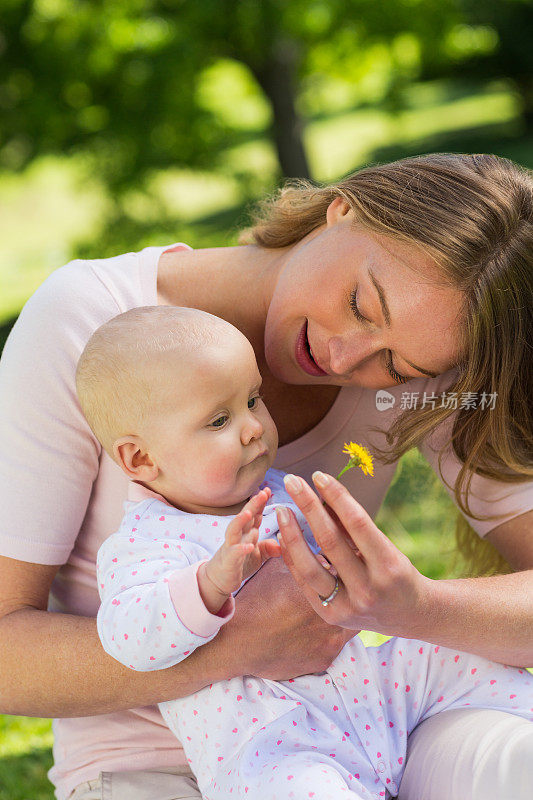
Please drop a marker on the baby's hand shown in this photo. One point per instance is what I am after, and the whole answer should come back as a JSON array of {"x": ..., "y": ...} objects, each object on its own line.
[{"x": 240, "y": 555}]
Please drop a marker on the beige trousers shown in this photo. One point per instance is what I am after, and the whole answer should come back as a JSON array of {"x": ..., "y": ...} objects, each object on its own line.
[
  {"x": 464, "y": 754},
  {"x": 141, "y": 785}
]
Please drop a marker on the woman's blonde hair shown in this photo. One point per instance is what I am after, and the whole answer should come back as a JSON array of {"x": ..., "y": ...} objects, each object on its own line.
[{"x": 473, "y": 214}]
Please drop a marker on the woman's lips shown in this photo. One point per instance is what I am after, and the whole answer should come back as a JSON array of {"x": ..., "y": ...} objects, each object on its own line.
[{"x": 303, "y": 355}]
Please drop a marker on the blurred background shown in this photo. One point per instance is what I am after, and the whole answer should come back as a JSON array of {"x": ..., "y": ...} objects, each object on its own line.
[{"x": 126, "y": 123}]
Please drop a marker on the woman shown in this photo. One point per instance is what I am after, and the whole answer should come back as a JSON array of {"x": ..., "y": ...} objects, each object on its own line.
[{"x": 417, "y": 271}]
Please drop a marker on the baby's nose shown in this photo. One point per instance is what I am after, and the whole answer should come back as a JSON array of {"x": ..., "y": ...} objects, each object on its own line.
[{"x": 252, "y": 429}]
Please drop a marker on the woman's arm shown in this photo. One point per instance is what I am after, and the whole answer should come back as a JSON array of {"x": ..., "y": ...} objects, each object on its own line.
[
  {"x": 381, "y": 590},
  {"x": 53, "y": 665},
  {"x": 501, "y": 605}
]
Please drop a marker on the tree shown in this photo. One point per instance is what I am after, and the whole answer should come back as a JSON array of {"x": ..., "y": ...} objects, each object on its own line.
[
  {"x": 512, "y": 20},
  {"x": 118, "y": 79}
]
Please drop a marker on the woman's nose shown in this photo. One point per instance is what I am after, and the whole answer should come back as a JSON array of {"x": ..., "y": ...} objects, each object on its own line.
[
  {"x": 346, "y": 353},
  {"x": 252, "y": 428}
]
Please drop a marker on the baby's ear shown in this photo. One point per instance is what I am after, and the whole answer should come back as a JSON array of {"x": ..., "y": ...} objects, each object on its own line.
[{"x": 132, "y": 456}]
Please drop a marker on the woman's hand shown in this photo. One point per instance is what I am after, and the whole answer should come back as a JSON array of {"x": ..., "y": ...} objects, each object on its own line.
[
  {"x": 379, "y": 588},
  {"x": 274, "y": 633}
]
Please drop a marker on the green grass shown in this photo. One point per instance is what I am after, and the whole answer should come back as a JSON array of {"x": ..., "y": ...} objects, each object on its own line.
[
  {"x": 423, "y": 525},
  {"x": 25, "y": 758}
]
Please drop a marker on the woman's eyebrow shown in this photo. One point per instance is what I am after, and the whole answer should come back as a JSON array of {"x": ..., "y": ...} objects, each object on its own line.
[
  {"x": 382, "y": 299},
  {"x": 386, "y": 317}
]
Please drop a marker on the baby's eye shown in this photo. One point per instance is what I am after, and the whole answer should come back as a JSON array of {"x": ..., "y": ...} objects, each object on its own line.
[
  {"x": 253, "y": 402},
  {"x": 218, "y": 423}
]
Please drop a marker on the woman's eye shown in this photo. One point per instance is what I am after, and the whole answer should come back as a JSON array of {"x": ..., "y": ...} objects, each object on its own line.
[
  {"x": 390, "y": 368},
  {"x": 355, "y": 307},
  {"x": 218, "y": 423},
  {"x": 392, "y": 372}
]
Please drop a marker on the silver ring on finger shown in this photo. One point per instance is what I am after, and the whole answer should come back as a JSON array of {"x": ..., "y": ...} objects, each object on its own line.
[{"x": 327, "y": 600}]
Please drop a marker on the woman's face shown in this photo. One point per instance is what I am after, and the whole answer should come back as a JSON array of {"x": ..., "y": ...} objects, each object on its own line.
[{"x": 343, "y": 273}]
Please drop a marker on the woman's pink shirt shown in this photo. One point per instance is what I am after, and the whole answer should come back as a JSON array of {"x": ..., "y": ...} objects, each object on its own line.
[{"x": 61, "y": 496}]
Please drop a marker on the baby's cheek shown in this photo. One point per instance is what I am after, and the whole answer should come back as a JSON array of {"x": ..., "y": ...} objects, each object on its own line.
[{"x": 220, "y": 471}]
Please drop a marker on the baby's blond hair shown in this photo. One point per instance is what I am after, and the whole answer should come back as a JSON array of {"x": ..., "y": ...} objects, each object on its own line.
[{"x": 117, "y": 368}]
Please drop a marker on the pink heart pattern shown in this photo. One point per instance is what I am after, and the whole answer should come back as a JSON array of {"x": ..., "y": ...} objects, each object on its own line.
[{"x": 362, "y": 709}]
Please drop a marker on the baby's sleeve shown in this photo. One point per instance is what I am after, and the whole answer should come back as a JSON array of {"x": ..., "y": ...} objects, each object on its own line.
[
  {"x": 280, "y": 497},
  {"x": 152, "y": 615}
]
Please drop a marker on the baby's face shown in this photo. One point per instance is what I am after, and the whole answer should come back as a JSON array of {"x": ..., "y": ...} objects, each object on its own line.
[{"x": 213, "y": 439}]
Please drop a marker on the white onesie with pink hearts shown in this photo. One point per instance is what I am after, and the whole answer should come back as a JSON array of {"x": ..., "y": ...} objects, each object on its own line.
[
  {"x": 152, "y": 614},
  {"x": 339, "y": 733}
]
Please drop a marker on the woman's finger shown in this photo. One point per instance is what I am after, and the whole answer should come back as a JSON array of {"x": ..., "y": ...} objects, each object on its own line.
[
  {"x": 330, "y": 537},
  {"x": 313, "y": 597},
  {"x": 349, "y": 541},
  {"x": 372, "y": 543},
  {"x": 305, "y": 568}
]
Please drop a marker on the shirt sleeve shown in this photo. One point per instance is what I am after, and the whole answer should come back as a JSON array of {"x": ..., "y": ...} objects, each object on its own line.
[
  {"x": 50, "y": 457},
  {"x": 495, "y": 500},
  {"x": 280, "y": 497},
  {"x": 152, "y": 615}
]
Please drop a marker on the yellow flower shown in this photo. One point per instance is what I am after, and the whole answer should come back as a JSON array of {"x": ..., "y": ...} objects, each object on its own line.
[{"x": 359, "y": 457}]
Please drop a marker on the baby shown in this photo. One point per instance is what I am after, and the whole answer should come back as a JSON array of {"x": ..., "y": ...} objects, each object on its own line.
[{"x": 173, "y": 395}]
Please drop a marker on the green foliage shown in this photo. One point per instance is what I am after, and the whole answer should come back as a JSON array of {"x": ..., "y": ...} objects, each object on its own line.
[
  {"x": 110, "y": 80},
  {"x": 141, "y": 86},
  {"x": 57, "y": 208},
  {"x": 423, "y": 525},
  {"x": 125, "y": 81},
  {"x": 511, "y": 24}
]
